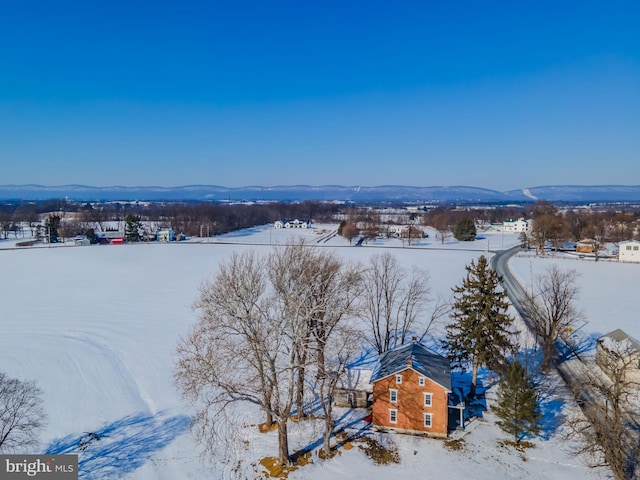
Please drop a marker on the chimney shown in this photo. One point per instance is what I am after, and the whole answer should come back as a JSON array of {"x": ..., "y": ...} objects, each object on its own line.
[
  {"x": 410, "y": 361},
  {"x": 414, "y": 339}
]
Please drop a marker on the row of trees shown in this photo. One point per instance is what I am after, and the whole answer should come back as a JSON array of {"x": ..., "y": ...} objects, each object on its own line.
[
  {"x": 550, "y": 225},
  {"x": 188, "y": 218}
]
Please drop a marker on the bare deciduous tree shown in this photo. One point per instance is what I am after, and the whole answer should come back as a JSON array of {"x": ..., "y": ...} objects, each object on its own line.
[
  {"x": 338, "y": 353},
  {"x": 393, "y": 299},
  {"x": 22, "y": 415},
  {"x": 608, "y": 431},
  {"x": 243, "y": 349},
  {"x": 262, "y": 320},
  {"x": 552, "y": 311}
]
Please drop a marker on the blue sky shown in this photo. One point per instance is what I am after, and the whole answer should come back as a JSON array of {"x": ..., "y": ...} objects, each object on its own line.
[{"x": 494, "y": 94}]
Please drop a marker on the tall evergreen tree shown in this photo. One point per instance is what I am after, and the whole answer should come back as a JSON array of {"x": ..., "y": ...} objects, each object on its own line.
[
  {"x": 133, "y": 227},
  {"x": 52, "y": 224},
  {"x": 479, "y": 331},
  {"x": 517, "y": 404},
  {"x": 465, "y": 230}
]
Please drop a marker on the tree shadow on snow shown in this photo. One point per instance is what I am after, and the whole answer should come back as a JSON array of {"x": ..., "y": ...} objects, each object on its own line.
[
  {"x": 461, "y": 386},
  {"x": 552, "y": 417},
  {"x": 120, "y": 447}
]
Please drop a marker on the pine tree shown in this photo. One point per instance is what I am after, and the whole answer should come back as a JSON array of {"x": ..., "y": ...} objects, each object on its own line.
[
  {"x": 133, "y": 227},
  {"x": 517, "y": 404},
  {"x": 479, "y": 332},
  {"x": 52, "y": 224},
  {"x": 465, "y": 230}
]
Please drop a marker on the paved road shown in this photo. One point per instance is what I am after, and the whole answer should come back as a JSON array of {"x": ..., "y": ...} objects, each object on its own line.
[
  {"x": 517, "y": 295},
  {"x": 572, "y": 372}
]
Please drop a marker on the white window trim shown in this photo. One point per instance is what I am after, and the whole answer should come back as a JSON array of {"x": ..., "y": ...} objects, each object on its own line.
[
  {"x": 392, "y": 392},
  {"x": 421, "y": 381},
  {"x": 428, "y": 395},
  {"x": 392, "y": 412},
  {"x": 398, "y": 379},
  {"x": 430, "y": 417}
]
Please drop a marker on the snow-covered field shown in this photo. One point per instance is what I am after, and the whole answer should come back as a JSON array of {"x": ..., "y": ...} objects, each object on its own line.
[{"x": 96, "y": 327}]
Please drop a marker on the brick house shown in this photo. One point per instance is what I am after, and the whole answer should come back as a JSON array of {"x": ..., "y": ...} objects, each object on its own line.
[{"x": 411, "y": 387}]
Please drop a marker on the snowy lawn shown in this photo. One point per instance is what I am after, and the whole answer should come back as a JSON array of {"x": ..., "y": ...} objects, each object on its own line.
[{"x": 96, "y": 327}]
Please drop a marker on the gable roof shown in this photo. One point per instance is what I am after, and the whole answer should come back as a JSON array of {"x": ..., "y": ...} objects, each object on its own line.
[
  {"x": 356, "y": 379},
  {"x": 413, "y": 355},
  {"x": 619, "y": 336}
]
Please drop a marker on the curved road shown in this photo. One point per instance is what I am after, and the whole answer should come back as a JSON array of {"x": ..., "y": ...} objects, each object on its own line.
[
  {"x": 517, "y": 295},
  {"x": 571, "y": 372}
]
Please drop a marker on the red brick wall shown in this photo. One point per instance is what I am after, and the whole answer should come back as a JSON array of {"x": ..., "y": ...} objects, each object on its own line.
[{"x": 410, "y": 404}]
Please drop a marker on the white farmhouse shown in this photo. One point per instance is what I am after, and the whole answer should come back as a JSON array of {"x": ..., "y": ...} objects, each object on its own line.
[
  {"x": 515, "y": 226},
  {"x": 292, "y": 223},
  {"x": 629, "y": 251},
  {"x": 165, "y": 235}
]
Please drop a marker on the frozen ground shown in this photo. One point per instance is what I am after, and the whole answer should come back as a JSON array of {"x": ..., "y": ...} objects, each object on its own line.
[{"x": 96, "y": 328}]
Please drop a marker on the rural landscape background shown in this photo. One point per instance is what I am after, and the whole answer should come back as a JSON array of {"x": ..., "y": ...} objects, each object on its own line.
[
  {"x": 144, "y": 145},
  {"x": 96, "y": 327}
]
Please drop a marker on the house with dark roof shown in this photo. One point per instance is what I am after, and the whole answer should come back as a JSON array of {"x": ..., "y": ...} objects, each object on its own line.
[{"x": 411, "y": 388}]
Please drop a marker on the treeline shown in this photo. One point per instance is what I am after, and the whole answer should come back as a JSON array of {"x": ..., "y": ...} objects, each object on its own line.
[
  {"x": 551, "y": 223},
  {"x": 188, "y": 218}
]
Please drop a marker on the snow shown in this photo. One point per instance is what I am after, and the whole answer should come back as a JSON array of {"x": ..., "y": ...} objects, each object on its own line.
[{"x": 97, "y": 326}]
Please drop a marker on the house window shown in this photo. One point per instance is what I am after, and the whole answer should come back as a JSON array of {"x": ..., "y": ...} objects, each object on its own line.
[
  {"x": 635, "y": 248},
  {"x": 393, "y": 396},
  {"x": 628, "y": 247},
  {"x": 427, "y": 420},
  {"x": 398, "y": 378},
  {"x": 427, "y": 399},
  {"x": 421, "y": 381},
  {"x": 393, "y": 415}
]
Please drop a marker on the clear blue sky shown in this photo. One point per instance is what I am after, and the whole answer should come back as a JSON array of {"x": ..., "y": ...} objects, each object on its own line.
[{"x": 495, "y": 94}]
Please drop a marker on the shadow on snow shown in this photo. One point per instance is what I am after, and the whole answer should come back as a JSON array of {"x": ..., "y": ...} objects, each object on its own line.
[{"x": 122, "y": 446}]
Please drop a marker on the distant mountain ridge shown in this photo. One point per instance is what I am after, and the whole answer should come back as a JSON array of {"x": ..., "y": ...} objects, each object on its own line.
[{"x": 291, "y": 193}]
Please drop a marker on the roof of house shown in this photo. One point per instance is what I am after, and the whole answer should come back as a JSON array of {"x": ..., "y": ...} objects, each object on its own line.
[
  {"x": 417, "y": 357},
  {"x": 629, "y": 241},
  {"x": 619, "y": 336},
  {"x": 356, "y": 379}
]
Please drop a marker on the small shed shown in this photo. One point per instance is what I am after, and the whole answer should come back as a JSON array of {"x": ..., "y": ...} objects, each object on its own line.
[{"x": 354, "y": 389}]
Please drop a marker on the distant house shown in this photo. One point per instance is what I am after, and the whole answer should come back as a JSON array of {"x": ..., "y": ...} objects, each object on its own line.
[
  {"x": 165, "y": 235},
  {"x": 411, "y": 387},
  {"x": 398, "y": 230},
  {"x": 292, "y": 223},
  {"x": 629, "y": 251},
  {"x": 114, "y": 237},
  {"x": 77, "y": 241},
  {"x": 586, "y": 246},
  {"x": 515, "y": 226},
  {"x": 618, "y": 348},
  {"x": 354, "y": 388}
]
